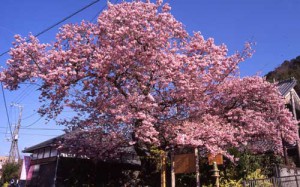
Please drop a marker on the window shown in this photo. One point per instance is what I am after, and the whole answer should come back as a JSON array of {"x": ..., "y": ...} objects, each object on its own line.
[
  {"x": 53, "y": 152},
  {"x": 35, "y": 154},
  {"x": 41, "y": 153},
  {"x": 47, "y": 152}
]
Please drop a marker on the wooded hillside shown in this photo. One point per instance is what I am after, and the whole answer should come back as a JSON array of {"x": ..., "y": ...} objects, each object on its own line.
[{"x": 289, "y": 68}]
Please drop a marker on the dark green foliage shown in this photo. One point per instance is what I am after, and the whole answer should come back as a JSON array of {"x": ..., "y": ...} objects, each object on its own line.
[
  {"x": 246, "y": 164},
  {"x": 185, "y": 180},
  {"x": 286, "y": 70},
  {"x": 10, "y": 171}
]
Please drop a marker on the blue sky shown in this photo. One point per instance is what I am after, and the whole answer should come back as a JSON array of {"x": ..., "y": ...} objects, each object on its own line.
[{"x": 274, "y": 25}]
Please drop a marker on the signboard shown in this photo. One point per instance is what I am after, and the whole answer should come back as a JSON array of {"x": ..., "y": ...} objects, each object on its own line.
[
  {"x": 185, "y": 163},
  {"x": 217, "y": 158}
]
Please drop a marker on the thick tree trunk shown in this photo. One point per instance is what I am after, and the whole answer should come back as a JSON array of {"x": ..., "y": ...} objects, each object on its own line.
[{"x": 148, "y": 174}]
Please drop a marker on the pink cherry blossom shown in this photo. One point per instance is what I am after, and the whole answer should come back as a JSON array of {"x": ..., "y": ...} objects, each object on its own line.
[{"x": 136, "y": 77}]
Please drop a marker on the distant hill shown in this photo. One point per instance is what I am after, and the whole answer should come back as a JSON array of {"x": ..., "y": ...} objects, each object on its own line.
[{"x": 286, "y": 70}]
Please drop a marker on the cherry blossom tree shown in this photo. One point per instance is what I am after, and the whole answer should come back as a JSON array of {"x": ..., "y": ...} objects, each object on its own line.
[
  {"x": 249, "y": 113},
  {"x": 138, "y": 78}
]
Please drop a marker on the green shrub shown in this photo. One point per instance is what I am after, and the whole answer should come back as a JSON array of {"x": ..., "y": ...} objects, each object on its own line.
[{"x": 10, "y": 171}]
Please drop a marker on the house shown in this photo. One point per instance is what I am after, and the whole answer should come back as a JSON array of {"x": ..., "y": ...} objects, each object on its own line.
[
  {"x": 292, "y": 100},
  {"x": 286, "y": 88},
  {"x": 50, "y": 166}
]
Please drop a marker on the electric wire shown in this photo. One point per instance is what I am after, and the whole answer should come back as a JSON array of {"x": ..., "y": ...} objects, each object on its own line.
[
  {"x": 29, "y": 116},
  {"x": 20, "y": 98},
  {"x": 56, "y": 24},
  {"x": 5, "y": 106},
  {"x": 31, "y": 128},
  {"x": 94, "y": 17},
  {"x": 21, "y": 94},
  {"x": 32, "y": 134},
  {"x": 27, "y": 91},
  {"x": 33, "y": 123},
  {"x": 43, "y": 129},
  {"x": 36, "y": 35}
]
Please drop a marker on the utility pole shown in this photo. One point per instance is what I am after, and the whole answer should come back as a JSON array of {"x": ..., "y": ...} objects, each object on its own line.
[{"x": 14, "y": 155}]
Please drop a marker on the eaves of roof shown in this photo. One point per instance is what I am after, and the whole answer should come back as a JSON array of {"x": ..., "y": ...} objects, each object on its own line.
[
  {"x": 286, "y": 86},
  {"x": 48, "y": 143}
]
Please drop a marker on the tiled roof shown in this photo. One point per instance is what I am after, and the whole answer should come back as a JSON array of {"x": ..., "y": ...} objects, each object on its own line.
[
  {"x": 48, "y": 143},
  {"x": 127, "y": 154},
  {"x": 285, "y": 86}
]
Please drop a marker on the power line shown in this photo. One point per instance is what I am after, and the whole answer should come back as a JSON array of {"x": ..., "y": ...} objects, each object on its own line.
[
  {"x": 66, "y": 18},
  {"x": 43, "y": 129},
  {"x": 5, "y": 105},
  {"x": 33, "y": 123},
  {"x": 22, "y": 93},
  {"x": 27, "y": 91},
  {"x": 33, "y": 134},
  {"x": 31, "y": 128},
  {"x": 101, "y": 10},
  {"x": 29, "y": 116},
  {"x": 61, "y": 21},
  {"x": 53, "y": 135},
  {"x": 38, "y": 34}
]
